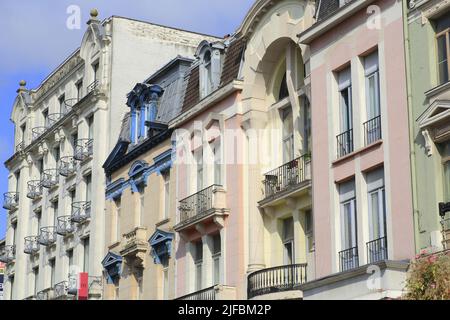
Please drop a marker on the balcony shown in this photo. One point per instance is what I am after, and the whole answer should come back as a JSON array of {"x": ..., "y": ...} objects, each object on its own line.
[
  {"x": 31, "y": 245},
  {"x": 372, "y": 130},
  {"x": 47, "y": 294},
  {"x": 95, "y": 288},
  {"x": 81, "y": 211},
  {"x": 275, "y": 280},
  {"x": 377, "y": 250},
  {"x": 217, "y": 292},
  {"x": 37, "y": 132},
  {"x": 83, "y": 149},
  {"x": 50, "y": 178},
  {"x": 445, "y": 223},
  {"x": 47, "y": 236},
  {"x": 64, "y": 291},
  {"x": 93, "y": 86},
  {"x": 54, "y": 118},
  {"x": 135, "y": 246},
  {"x": 34, "y": 189},
  {"x": 69, "y": 104},
  {"x": 7, "y": 254},
  {"x": 348, "y": 259},
  {"x": 344, "y": 143},
  {"x": 207, "y": 204},
  {"x": 65, "y": 226},
  {"x": 67, "y": 166},
  {"x": 10, "y": 200},
  {"x": 290, "y": 177},
  {"x": 20, "y": 147}
]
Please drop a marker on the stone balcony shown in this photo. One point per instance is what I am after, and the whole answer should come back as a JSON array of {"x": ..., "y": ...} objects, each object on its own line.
[{"x": 134, "y": 246}]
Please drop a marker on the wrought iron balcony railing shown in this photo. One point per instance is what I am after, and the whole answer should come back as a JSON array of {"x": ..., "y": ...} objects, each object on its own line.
[
  {"x": 344, "y": 143},
  {"x": 81, "y": 211},
  {"x": 445, "y": 224},
  {"x": 377, "y": 250},
  {"x": 54, "y": 118},
  {"x": 46, "y": 294},
  {"x": 63, "y": 290},
  {"x": 372, "y": 130},
  {"x": 277, "y": 279},
  {"x": 348, "y": 259},
  {"x": 10, "y": 200},
  {"x": 8, "y": 254},
  {"x": 95, "y": 284},
  {"x": 69, "y": 104},
  {"x": 20, "y": 146},
  {"x": 47, "y": 236},
  {"x": 288, "y": 176},
  {"x": 34, "y": 189},
  {"x": 67, "y": 166},
  {"x": 50, "y": 178},
  {"x": 37, "y": 132},
  {"x": 204, "y": 294},
  {"x": 83, "y": 149},
  {"x": 94, "y": 85},
  {"x": 65, "y": 226},
  {"x": 31, "y": 245},
  {"x": 199, "y": 204}
]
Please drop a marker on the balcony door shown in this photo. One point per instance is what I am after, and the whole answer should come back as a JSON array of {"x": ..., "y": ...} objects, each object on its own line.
[
  {"x": 345, "y": 137},
  {"x": 288, "y": 241},
  {"x": 348, "y": 256},
  {"x": 288, "y": 134}
]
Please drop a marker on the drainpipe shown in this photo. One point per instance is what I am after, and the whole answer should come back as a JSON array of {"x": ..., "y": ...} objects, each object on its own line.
[{"x": 412, "y": 152}]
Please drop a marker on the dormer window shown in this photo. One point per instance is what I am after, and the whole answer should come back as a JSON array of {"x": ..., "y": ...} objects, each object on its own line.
[
  {"x": 210, "y": 66},
  {"x": 206, "y": 86}
]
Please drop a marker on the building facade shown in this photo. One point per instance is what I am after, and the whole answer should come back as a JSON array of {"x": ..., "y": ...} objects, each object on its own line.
[
  {"x": 64, "y": 131},
  {"x": 427, "y": 29},
  {"x": 362, "y": 195},
  {"x": 140, "y": 214}
]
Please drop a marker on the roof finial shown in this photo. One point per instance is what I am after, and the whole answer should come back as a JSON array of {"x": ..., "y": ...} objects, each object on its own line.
[
  {"x": 22, "y": 83},
  {"x": 94, "y": 13}
]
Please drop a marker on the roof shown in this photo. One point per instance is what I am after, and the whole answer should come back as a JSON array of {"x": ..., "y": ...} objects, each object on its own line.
[{"x": 229, "y": 72}]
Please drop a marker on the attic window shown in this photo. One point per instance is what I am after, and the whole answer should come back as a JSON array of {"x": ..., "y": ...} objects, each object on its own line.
[{"x": 206, "y": 86}]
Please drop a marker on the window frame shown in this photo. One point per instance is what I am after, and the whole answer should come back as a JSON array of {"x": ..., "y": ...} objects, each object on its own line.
[{"x": 446, "y": 33}]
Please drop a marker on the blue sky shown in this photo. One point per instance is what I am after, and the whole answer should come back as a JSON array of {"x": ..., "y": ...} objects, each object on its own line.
[{"x": 34, "y": 40}]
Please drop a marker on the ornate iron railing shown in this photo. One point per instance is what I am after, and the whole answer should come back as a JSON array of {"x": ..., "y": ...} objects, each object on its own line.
[
  {"x": 277, "y": 279},
  {"x": 81, "y": 211},
  {"x": 67, "y": 166},
  {"x": 344, "y": 143},
  {"x": 10, "y": 200},
  {"x": 348, "y": 259},
  {"x": 31, "y": 245},
  {"x": 47, "y": 236},
  {"x": 63, "y": 290},
  {"x": 197, "y": 204},
  {"x": 69, "y": 104},
  {"x": 37, "y": 132},
  {"x": 83, "y": 149},
  {"x": 8, "y": 254},
  {"x": 204, "y": 294},
  {"x": 34, "y": 189},
  {"x": 46, "y": 294},
  {"x": 65, "y": 226},
  {"x": 49, "y": 178},
  {"x": 54, "y": 118},
  {"x": 20, "y": 146},
  {"x": 287, "y": 176},
  {"x": 372, "y": 130},
  {"x": 377, "y": 250},
  {"x": 94, "y": 85}
]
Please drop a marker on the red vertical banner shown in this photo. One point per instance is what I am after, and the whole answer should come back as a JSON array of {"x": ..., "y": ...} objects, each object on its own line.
[{"x": 83, "y": 288}]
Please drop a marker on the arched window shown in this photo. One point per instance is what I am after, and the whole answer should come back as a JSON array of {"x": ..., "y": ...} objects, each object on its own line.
[
  {"x": 206, "y": 75},
  {"x": 283, "y": 89}
]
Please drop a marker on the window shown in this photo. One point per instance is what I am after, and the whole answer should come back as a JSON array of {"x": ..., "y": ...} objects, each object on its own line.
[
  {"x": 86, "y": 255},
  {"x": 199, "y": 170},
  {"x": 72, "y": 196},
  {"x": 166, "y": 284},
  {"x": 90, "y": 121},
  {"x": 348, "y": 216},
  {"x": 217, "y": 163},
  {"x": 377, "y": 204},
  {"x": 140, "y": 283},
  {"x": 45, "y": 117},
  {"x": 118, "y": 204},
  {"x": 11, "y": 284},
  {"x": 307, "y": 125},
  {"x": 206, "y": 85},
  {"x": 79, "y": 88},
  {"x": 56, "y": 154},
  {"x": 23, "y": 129},
  {"x": 372, "y": 85},
  {"x": 38, "y": 218},
  {"x": 309, "y": 231},
  {"x": 166, "y": 178},
  {"x": 442, "y": 47},
  {"x": 17, "y": 176},
  {"x": 95, "y": 68},
  {"x": 69, "y": 254},
  {"x": 198, "y": 261},
  {"x": 288, "y": 241},
  {"x": 62, "y": 104},
  {"x": 345, "y": 138},
  {"x": 55, "y": 213},
  {"x": 284, "y": 92},
  {"x": 216, "y": 255},
  {"x": 14, "y": 230},
  {"x": 141, "y": 205},
  {"x": 88, "y": 183},
  {"x": 52, "y": 272},
  {"x": 36, "y": 280},
  {"x": 40, "y": 166},
  {"x": 446, "y": 176},
  {"x": 288, "y": 134},
  {"x": 73, "y": 140}
]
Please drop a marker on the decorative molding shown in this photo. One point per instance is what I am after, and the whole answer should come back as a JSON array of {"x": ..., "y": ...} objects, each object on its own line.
[{"x": 161, "y": 244}]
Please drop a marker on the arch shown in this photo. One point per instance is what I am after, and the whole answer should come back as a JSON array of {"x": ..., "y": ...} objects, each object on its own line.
[{"x": 137, "y": 168}]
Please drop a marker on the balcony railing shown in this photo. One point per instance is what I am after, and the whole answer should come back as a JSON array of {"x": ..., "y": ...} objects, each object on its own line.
[
  {"x": 34, "y": 189},
  {"x": 54, "y": 118},
  {"x": 20, "y": 146},
  {"x": 287, "y": 176},
  {"x": 10, "y": 200},
  {"x": 372, "y": 130},
  {"x": 65, "y": 226},
  {"x": 83, "y": 149},
  {"x": 445, "y": 223},
  {"x": 46, "y": 294},
  {"x": 135, "y": 242},
  {"x": 198, "y": 204},
  {"x": 377, "y": 250},
  {"x": 95, "y": 285},
  {"x": 69, "y": 104},
  {"x": 8, "y": 254},
  {"x": 47, "y": 236},
  {"x": 49, "y": 178},
  {"x": 67, "y": 166},
  {"x": 344, "y": 143},
  {"x": 277, "y": 279},
  {"x": 37, "y": 132},
  {"x": 204, "y": 294},
  {"x": 348, "y": 259},
  {"x": 94, "y": 85},
  {"x": 81, "y": 211},
  {"x": 63, "y": 290},
  {"x": 31, "y": 245}
]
